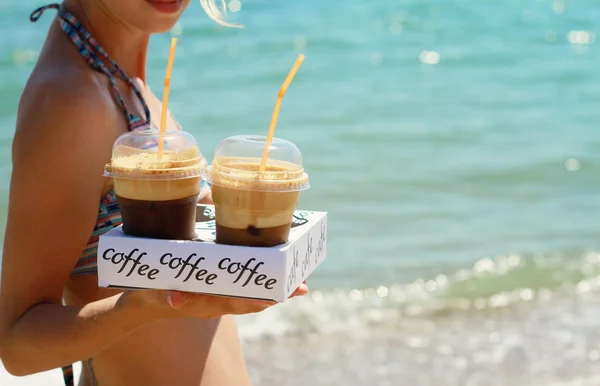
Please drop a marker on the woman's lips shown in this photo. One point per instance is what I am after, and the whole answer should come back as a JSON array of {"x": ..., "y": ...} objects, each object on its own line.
[{"x": 165, "y": 6}]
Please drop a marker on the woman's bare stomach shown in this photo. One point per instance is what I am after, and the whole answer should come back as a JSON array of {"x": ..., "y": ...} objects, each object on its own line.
[{"x": 183, "y": 352}]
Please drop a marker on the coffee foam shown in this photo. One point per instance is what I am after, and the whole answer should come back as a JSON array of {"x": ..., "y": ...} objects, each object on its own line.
[
  {"x": 156, "y": 190},
  {"x": 137, "y": 163},
  {"x": 139, "y": 174},
  {"x": 242, "y": 173},
  {"x": 240, "y": 208}
]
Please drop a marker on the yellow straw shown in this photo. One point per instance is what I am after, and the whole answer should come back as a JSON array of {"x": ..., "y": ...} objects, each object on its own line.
[
  {"x": 282, "y": 90},
  {"x": 165, "y": 101}
]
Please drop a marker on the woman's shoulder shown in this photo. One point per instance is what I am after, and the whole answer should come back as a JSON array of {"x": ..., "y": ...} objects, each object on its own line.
[
  {"x": 65, "y": 101},
  {"x": 62, "y": 87},
  {"x": 65, "y": 110}
]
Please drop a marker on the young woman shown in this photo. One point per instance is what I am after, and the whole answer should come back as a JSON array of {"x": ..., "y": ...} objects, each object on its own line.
[{"x": 87, "y": 88}]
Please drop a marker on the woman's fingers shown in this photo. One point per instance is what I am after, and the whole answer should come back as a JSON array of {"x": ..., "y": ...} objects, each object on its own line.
[
  {"x": 301, "y": 290},
  {"x": 210, "y": 306},
  {"x": 245, "y": 306},
  {"x": 176, "y": 299}
]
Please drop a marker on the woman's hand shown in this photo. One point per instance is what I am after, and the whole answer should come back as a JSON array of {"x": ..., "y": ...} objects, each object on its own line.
[
  {"x": 205, "y": 196},
  {"x": 173, "y": 304}
]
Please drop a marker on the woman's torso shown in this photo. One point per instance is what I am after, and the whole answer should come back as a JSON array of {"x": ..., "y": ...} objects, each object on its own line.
[{"x": 180, "y": 352}]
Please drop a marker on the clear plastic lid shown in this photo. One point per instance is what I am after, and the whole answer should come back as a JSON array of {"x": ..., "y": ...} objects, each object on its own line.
[
  {"x": 237, "y": 160},
  {"x": 135, "y": 156}
]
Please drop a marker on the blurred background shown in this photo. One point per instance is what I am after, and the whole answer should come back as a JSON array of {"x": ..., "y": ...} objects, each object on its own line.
[{"x": 455, "y": 145}]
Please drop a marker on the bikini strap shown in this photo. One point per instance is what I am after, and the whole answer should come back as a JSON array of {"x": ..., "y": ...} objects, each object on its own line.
[
  {"x": 35, "y": 15},
  {"x": 89, "y": 49},
  {"x": 68, "y": 375}
]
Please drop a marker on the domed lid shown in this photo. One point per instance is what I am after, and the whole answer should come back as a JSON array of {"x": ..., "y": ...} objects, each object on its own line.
[
  {"x": 237, "y": 160},
  {"x": 135, "y": 156}
]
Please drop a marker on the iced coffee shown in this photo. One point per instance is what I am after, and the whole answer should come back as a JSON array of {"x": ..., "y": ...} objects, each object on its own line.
[
  {"x": 253, "y": 207},
  {"x": 157, "y": 195}
]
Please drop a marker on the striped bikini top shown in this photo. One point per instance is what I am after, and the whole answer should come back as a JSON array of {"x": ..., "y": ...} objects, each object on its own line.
[{"x": 109, "y": 215}]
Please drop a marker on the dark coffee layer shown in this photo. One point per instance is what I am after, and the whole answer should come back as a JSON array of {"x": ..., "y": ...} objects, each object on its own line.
[
  {"x": 254, "y": 237},
  {"x": 171, "y": 219}
]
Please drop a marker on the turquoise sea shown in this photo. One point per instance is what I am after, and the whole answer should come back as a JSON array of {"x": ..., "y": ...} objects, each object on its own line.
[{"x": 455, "y": 145}]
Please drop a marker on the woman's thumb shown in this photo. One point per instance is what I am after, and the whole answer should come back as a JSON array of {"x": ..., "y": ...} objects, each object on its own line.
[{"x": 174, "y": 299}]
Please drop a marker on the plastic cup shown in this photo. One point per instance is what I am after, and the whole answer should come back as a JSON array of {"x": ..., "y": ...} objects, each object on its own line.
[
  {"x": 255, "y": 208},
  {"x": 157, "y": 197}
]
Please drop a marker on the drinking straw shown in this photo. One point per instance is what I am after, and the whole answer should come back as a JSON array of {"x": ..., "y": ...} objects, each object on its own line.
[
  {"x": 282, "y": 90},
  {"x": 165, "y": 101}
]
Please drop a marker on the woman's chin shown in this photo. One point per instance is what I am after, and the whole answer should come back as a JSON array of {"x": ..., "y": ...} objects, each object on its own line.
[{"x": 163, "y": 15}]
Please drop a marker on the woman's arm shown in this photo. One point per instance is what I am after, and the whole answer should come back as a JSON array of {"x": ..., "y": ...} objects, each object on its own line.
[
  {"x": 60, "y": 147},
  {"x": 63, "y": 139}
]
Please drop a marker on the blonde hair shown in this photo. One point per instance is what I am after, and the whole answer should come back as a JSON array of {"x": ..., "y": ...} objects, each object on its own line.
[{"x": 217, "y": 12}]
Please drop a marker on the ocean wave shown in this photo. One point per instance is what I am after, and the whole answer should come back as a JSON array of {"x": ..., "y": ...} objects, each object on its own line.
[{"x": 489, "y": 284}]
